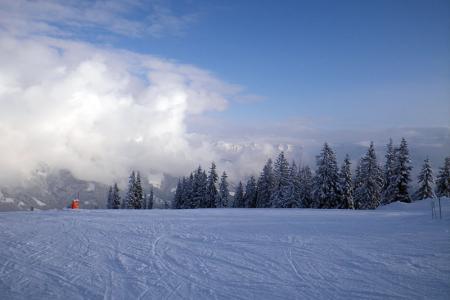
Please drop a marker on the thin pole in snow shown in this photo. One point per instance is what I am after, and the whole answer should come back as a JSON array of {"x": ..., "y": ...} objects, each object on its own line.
[{"x": 440, "y": 211}]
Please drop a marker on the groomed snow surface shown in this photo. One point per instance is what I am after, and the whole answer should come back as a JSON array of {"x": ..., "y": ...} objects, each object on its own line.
[{"x": 396, "y": 252}]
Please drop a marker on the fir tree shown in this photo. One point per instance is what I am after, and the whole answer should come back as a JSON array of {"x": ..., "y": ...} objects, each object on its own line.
[
  {"x": 138, "y": 193},
  {"x": 199, "y": 189},
  {"x": 265, "y": 186},
  {"x": 292, "y": 195},
  {"x": 346, "y": 184},
  {"x": 188, "y": 192},
  {"x": 402, "y": 170},
  {"x": 212, "y": 194},
  {"x": 250, "y": 193},
  {"x": 426, "y": 182},
  {"x": 282, "y": 181},
  {"x": 389, "y": 178},
  {"x": 178, "y": 198},
  {"x": 306, "y": 187},
  {"x": 115, "y": 199},
  {"x": 109, "y": 199},
  {"x": 369, "y": 182},
  {"x": 223, "y": 192},
  {"x": 443, "y": 179},
  {"x": 326, "y": 189},
  {"x": 150, "y": 199},
  {"x": 130, "y": 198},
  {"x": 239, "y": 196}
]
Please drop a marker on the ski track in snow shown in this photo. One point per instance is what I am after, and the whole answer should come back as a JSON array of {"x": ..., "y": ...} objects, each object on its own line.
[{"x": 397, "y": 252}]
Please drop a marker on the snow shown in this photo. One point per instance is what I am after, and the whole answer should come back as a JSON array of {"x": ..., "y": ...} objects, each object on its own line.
[
  {"x": 38, "y": 202},
  {"x": 90, "y": 187},
  {"x": 394, "y": 252},
  {"x": 7, "y": 200}
]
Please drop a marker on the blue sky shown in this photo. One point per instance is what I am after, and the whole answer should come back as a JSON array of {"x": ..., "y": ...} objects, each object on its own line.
[{"x": 333, "y": 63}]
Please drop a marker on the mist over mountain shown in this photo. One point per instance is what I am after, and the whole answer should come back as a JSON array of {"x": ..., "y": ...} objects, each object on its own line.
[{"x": 49, "y": 188}]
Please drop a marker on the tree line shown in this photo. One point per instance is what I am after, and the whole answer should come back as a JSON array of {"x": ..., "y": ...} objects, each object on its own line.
[
  {"x": 285, "y": 185},
  {"x": 135, "y": 197}
]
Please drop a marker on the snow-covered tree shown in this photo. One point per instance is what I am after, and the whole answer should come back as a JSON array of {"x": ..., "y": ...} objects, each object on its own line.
[
  {"x": 426, "y": 182},
  {"x": 389, "y": 178},
  {"x": 402, "y": 173},
  {"x": 250, "y": 193},
  {"x": 150, "y": 199},
  {"x": 265, "y": 186},
  {"x": 109, "y": 199},
  {"x": 346, "y": 184},
  {"x": 326, "y": 181},
  {"x": 443, "y": 179},
  {"x": 222, "y": 200},
  {"x": 188, "y": 192},
  {"x": 138, "y": 193},
  {"x": 282, "y": 186},
  {"x": 239, "y": 196},
  {"x": 292, "y": 194},
  {"x": 115, "y": 197},
  {"x": 199, "y": 189},
  {"x": 306, "y": 187},
  {"x": 131, "y": 195},
  {"x": 212, "y": 194},
  {"x": 178, "y": 198},
  {"x": 369, "y": 182}
]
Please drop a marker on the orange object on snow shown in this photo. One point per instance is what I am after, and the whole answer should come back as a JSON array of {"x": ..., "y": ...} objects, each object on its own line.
[{"x": 75, "y": 204}]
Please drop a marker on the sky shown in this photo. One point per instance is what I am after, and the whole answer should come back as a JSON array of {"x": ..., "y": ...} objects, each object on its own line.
[{"x": 101, "y": 87}]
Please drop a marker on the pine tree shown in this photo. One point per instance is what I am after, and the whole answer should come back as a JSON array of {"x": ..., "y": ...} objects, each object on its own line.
[
  {"x": 369, "y": 182},
  {"x": 265, "y": 186},
  {"x": 138, "y": 193},
  {"x": 346, "y": 184},
  {"x": 389, "y": 178},
  {"x": 239, "y": 196},
  {"x": 178, "y": 198},
  {"x": 151, "y": 199},
  {"x": 188, "y": 192},
  {"x": 222, "y": 199},
  {"x": 426, "y": 182},
  {"x": 199, "y": 189},
  {"x": 402, "y": 170},
  {"x": 109, "y": 199},
  {"x": 212, "y": 194},
  {"x": 282, "y": 182},
  {"x": 443, "y": 179},
  {"x": 293, "y": 190},
  {"x": 115, "y": 199},
  {"x": 357, "y": 179},
  {"x": 250, "y": 193},
  {"x": 326, "y": 189},
  {"x": 306, "y": 187},
  {"x": 130, "y": 198}
]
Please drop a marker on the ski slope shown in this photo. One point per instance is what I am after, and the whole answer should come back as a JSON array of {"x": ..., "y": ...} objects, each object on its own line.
[{"x": 396, "y": 252}]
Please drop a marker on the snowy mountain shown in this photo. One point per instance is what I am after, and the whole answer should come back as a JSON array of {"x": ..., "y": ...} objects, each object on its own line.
[{"x": 48, "y": 189}]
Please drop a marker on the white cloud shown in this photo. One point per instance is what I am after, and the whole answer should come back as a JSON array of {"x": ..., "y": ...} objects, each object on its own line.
[
  {"x": 76, "y": 18},
  {"x": 99, "y": 112}
]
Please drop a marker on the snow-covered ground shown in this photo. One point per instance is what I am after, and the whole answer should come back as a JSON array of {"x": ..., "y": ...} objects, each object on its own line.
[{"x": 396, "y": 252}]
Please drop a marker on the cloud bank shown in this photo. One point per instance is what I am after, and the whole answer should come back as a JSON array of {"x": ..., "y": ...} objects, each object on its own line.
[{"x": 100, "y": 112}]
